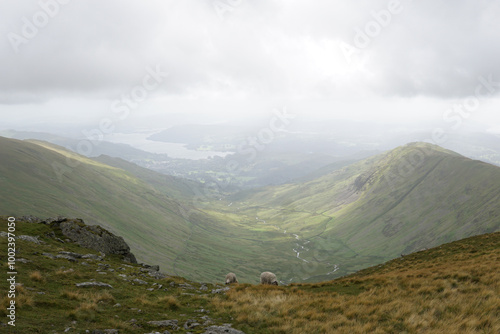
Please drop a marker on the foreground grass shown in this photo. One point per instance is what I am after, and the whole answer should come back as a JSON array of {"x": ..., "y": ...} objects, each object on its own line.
[
  {"x": 451, "y": 289},
  {"x": 48, "y": 300}
]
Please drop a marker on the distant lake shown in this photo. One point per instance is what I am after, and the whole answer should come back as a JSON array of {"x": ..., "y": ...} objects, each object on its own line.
[{"x": 174, "y": 150}]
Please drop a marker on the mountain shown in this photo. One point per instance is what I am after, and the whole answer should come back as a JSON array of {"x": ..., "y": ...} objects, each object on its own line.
[
  {"x": 64, "y": 287},
  {"x": 332, "y": 223},
  {"x": 413, "y": 197},
  {"x": 165, "y": 220},
  {"x": 38, "y": 178}
]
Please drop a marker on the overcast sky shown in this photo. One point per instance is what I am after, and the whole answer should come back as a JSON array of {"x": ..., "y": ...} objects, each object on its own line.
[{"x": 77, "y": 62}]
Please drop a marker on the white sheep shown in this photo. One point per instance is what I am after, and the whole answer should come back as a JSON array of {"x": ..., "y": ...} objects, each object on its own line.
[
  {"x": 268, "y": 278},
  {"x": 231, "y": 278}
]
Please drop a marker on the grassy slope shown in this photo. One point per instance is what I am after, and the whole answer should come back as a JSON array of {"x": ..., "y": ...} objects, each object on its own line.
[
  {"x": 154, "y": 213},
  {"x": 454, "y": 288},
  {"x": 49, "y": 302},
  {"x": 349, "y": 219},
  {"x": 150, "y": 222},
  {"x": 449, "y": 289},
  {"x": 414, "y": 197}
]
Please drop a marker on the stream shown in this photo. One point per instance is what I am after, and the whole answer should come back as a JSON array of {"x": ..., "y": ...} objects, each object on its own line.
[{"x": 300, "y": 246}]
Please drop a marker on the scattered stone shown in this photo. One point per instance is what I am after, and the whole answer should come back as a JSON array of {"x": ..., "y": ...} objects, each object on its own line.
[
  {"x": 91, "y": 284},
  {"x": 29, "y": 238},
  {"x": 165, "y": 323},
  {"x": 139, "y": 281},
  {"x": 4, "y": 234},
  {"x": 75, "y": 255},
  {"x": 49, "y": 255},
  {"x": 190, "y": 324},
  {"x": 50, "y": 234},
  {"x": 157, "y": 275},
  {"x": 67, "y": 257},
  {"x": 30, "y": 219},
  {"x": 105, "y": 331},
  {"x": 102, "y": 273},
  {"x": 92, "y": 257},
  {"x": 172, "y": 284},
  {"x": 22, "y": 260},
  {"x": 60, "y": 240},
  {"x": 224, "y": 329},
  {"x": 151, "y": 267},
  {"x": 186, "y": 286},
  {"x": 67, "y": 329},
  {"x": 203, "y": 287},
  {"x": 151, "y": 289},
  {"x": 223, "y": 290},
  {"x": 117, "y": 305},
  {"x": 84, "y": 263}
]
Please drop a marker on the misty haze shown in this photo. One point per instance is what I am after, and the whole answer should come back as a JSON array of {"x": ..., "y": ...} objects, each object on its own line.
[{"x": 223, "y": 166}]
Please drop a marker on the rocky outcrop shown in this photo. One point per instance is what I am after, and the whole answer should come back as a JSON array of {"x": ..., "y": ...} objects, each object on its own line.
[{"x": 92, "y": 236}]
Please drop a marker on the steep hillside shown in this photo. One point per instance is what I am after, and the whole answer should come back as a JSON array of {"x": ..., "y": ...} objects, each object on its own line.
[
  {"x": 164, "y": 220},
  {"x": 416, "y": 196},
  {"x": 63, "y": 287},
  {"x": 453, "y": 288},
  {"x": 45, "y": 180}
]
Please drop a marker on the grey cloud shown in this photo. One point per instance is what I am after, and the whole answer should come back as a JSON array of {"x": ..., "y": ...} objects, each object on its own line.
[{"x": 259, "y": 48}]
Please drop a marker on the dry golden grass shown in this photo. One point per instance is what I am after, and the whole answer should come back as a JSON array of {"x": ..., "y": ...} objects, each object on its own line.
[
  {"x": 451, "y": 293},
  {"x": 170, "y": 302},
  {"x": 36, "y": 276}
]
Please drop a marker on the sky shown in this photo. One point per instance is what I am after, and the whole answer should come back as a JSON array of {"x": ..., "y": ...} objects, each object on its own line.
[{"x": 151, "y": 64}]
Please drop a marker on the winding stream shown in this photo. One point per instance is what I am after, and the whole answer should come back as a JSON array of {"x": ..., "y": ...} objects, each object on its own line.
[{"x": 300, "y": 246}]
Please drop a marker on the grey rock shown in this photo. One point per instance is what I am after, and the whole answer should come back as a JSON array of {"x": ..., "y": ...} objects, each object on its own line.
[
  {"x": 75, "y": 255},
  {"x": 92, "y": 257},
  {"x": 30, "y": 219},
  {"x": 165, "y": 323},
  {"x": 223, "y": 290},
  {"x": 91, "y": 284},
  {"x": 157, "y": 275},
  {"x": 150, "y": 267},
  {"x": 3, "y": 234},
  {"x": 94, "y": 237},
  {"x": 53, "y": 257},
  {"x": 29, "y": 238},
  {"x": 224, "y": 329},
  {"x": 67, "y": 257},
  {"x": 190, "y": 324},
  {"x": 22, "y": 260},
  {"x": 139, "y": 281}
]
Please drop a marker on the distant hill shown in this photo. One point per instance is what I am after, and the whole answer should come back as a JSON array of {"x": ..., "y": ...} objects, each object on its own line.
[
  {"x": 413, "y": 197},
  {"x": 335, "y": 222}
]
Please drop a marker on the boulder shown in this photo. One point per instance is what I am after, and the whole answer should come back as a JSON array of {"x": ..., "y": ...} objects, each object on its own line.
[{"x": 94, "y": 237}]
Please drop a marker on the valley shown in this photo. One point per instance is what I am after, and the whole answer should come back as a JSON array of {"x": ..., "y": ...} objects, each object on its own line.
[{"x": 336, "y": 221}]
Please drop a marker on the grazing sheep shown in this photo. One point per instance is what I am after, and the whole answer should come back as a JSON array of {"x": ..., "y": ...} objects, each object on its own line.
[
  {"x": 231, "y": 278},
  {"x": 268, "y": 278}
]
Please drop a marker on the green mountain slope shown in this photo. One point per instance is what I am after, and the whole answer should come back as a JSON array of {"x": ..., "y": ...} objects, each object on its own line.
[
  {"x": 155, "y": 214},
  {"x": 413, "y": 197},
  {"x": 416, "y": 196},
  {"x": 42, "y": 179}
]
